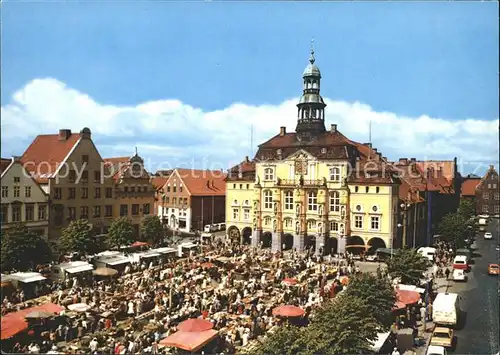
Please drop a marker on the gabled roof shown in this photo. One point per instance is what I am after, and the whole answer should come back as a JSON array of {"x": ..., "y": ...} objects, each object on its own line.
[
  {"x": 4, "y": 164},
  {"x": 202, "y": 182},
  {"x": 46, "y": 153},
  {"x": 469, "y": 186},
  {"x": 243, "y": 171},
  {"x": 491, "y": 173}
]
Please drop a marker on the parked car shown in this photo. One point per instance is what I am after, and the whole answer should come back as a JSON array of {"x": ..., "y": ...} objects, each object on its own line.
[
  {"x": 442, "y": 336},
  {"x": 493, "y": 269},
  {"x": 459, "y": 275},
  {"x": 488, "y": 235},
  {"x": 461, "y": 262},
  {"x": 436, "y": 350}
]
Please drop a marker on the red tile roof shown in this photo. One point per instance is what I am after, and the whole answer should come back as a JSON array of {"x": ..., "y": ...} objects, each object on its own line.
[
  {"x": 203, "y": 182},
  {"x": 4, "y": 163},
  {"x": 158, "y": 181},
  {"x": 243, "y": 171},
  {"x": 469, "y": 187},
  {"x": 45, "y": 154},
  {"x": 120, "y": 167}
]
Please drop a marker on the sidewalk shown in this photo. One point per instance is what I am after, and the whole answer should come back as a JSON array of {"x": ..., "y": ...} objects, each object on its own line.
[{"x": 440, "y": 285}]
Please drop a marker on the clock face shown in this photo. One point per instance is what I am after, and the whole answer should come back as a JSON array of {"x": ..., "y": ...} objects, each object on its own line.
[
  {"x": 374, "y": 208},
  {"x": 301, "y": 166}
]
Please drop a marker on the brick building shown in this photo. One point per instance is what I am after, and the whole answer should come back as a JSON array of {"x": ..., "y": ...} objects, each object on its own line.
[{"x": 487, "y": 193}]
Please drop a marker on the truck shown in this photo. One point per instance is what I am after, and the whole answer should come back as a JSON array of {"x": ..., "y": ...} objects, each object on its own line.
[{"x": 446, "y": 309}]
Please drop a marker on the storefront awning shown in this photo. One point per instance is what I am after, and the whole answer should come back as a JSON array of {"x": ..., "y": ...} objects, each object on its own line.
[{"x": 82, "y": 268}]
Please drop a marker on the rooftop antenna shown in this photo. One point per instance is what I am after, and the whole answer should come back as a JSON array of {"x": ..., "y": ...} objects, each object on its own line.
[{"x": 370, "y": 138}]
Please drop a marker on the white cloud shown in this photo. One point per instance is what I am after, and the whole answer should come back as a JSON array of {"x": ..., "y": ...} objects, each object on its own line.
[{"x": 169, "y": 130}]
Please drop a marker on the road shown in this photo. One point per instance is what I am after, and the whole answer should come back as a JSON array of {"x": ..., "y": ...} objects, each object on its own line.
[{"x": 480, "y": 298}]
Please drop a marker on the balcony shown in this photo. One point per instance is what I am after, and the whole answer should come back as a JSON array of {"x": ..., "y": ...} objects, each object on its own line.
[{"x": 301, "y": 182}]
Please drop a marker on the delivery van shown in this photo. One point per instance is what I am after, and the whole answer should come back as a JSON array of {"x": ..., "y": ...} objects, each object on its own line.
[
  {"x": 427, "y": 252},
  {"x": 446, "y": 309}
]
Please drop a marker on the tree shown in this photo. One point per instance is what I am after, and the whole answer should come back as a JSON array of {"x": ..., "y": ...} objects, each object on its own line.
[
  {"x": 377, "y": 292},
  {"x": 152, "y": 229},
  {"x": 343, "y": 325},
  {"x": 408, "y": 265},
  {"x": 455, "y": 229},
  {"x": 77, "y": 237},
  {"x": 22, "y": 249},
  {"x": 286, "y": 340},
  {"x": 467, "y": 209},
  {"x": 120, "y": 233}
]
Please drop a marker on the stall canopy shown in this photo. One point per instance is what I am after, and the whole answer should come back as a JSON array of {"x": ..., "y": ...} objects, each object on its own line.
[
  {"x": 164, "y": 250},
  {"x": 380, "y": 341},
  {"x": 75, "y": 267},
  {"x": 404, "y": 298},
  {"x": 15, "y": 322},
  {"x": 195, "y": 325},
  {"x": 27, "y": 277},
  {"x": 288, "y": 311},
  {"x": 139, "y": 244},
  {"x": 189, "y": 341},
  {"x": 188, "y": 245},
  {"x": 411, "y": 288}
]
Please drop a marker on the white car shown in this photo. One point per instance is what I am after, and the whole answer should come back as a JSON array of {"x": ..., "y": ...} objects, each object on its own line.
[
  {"x": 459, "y": 275},
  {"x": 488, "y": 235},
  {"x": 436, "y": 350}
]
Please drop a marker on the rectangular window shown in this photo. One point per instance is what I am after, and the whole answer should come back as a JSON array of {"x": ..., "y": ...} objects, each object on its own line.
[
  {"x": 234, "y": 186},
  {"x": 97, "y": 192},
  {"x": 71, "y": 193},
  {"x": 497, "y": 209},
  {"x": 16, "y": 213},
  {"x": 289, "y": 200},
  {"x": 267, "y": 221},
  {"x": 485, "y": 208},
  {"x": 85, "y": 192},
  {"x": 180, "y": 188},
  {"x": 85, "y": 177},
  {"x": 248, "y": 186},
  {"x": 85, "y": 158},
  {"x": 72, "y": 176},
  {"x": 236, "y": 214},
  {"x": 268, "y": 199},
  {"x": 311, "y": 224},
  {"x": 29, "y": 211},
  {"x": 494, "y": 186},
  {"x": 125, "y": 188},
  {"x": 288, "y": 223},
  {"x": 109, "y": 192},
  {"x": 367, "y": 189},
  {"x": 27, "y": 191},
  {"x": 489, "y": 186},
  {"x": 17, "y": 179},
  {"x": 269, "y": 174},
  {"x": 42, "y": 212},
  {"x": 108, "y": 211},
  {"x": 377, "y": 189},
  {"x": 175, "y": 188},
  {"x": 5, "y": 191},
  {"x": 97, "y": 176},
  {"x": 485, "y": 196},
  {"x": 146, "y": 209},
  {"x": 312, "y": 201},
  {"x": 335, "y": 174},
  {"x": 168, "y": 188},
  {"x": 123, "y": 210},
  {"x": 375, "y": 223},
  {"x": 334, "y": 226},
  {"x": 167, "y": 199},
  {"x": 84, "y": 212},
  {"x": 246, "y": 214},
  {"x": 4, "y": 213},
  {"x": 72, "y": 213},
  {"x": 356, "y": 188},
  {"x": 334, "y": 201},
  {"x": 358, "y": 222},
  {"x": 17, "y": 189},
  {"x": 57, "y": 193},
  {"x": 135, "y": 209},
  {"x": 174, "y": 200},
  {"x": 96, "y": 211}
]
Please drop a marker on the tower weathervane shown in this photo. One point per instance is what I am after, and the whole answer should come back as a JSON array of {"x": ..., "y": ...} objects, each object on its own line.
[{"x": 311, "y": 58}]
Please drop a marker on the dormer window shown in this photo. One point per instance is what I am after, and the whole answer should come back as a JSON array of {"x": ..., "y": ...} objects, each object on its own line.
[
  {"x": 323, "y": 150},
  {"x": 279, "y": 152},
  {"x": 269, "y": 174},
  {"x": 335, "y": 174}
]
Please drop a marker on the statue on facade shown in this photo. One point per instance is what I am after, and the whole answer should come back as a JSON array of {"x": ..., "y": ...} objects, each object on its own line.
[
  {"x": 275, "y": 226},
  {"x": 342, "y": 212},
  {"x": 301, "y": 180},
  {"x": 276, "y": 208},
  {"x": 344, "y": 182},
  {"x": 255, "y": 205},
  {"x": 254, "y": 223},
  {"x": 320, "y": 210},
  {"x": 297, "y": 227},
  {"x": 320, "y": 228},
  {"x": 297, "y": 209}
]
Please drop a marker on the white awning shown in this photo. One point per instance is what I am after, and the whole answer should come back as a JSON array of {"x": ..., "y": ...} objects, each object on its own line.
[
  {"x": 149, "y": 255},
  {"x": 188, "y": 245},
  {"x": 82, "y": 268},
  {"x": 117, "y": 261},
  {"x": 33, "y": 279},
  {"x": 163, "y": 250}
]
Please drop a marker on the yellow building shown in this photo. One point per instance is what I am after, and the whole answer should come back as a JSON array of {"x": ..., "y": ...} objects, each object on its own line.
[{"x": 313, "y": 187}]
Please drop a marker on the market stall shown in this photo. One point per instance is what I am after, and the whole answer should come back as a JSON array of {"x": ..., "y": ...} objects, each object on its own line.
[
  {"x": 62, "y": 271},
  {"x": 190, "y": 341}
]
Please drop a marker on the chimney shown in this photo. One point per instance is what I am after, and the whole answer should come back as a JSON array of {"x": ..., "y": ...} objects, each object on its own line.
[
  {"x": 282, "y": 131},
  {"x": 247, "y": 160},
  {"x": 208, "y": 183},
  {"x": 64, "y": 134},
  {"x": 333, "y": 128},
  {"x": 404, "y": 161}
]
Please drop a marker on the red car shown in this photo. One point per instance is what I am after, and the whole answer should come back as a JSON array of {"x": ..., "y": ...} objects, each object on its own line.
[{"x": 460, "y": 262}]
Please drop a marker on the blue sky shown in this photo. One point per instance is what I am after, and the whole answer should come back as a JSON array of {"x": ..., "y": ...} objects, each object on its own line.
[{"x": 409, "y": 59}]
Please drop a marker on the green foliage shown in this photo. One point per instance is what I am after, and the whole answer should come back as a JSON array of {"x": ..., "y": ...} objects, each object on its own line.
[
  {"x": 22, "y": 249},
  {"x": 286, "y": 340},
  {"x": 120, "y": 233},
  {"x": 467, "y": 209},
  {"x": 77, "y": 237},
  {"x": 455, "y": 229},
  {"x": 408, "y": 265},
  {"x": 152, "y": 230},
  {"x": 343, "y": 325},
  {"x": 378, "y": 293}
]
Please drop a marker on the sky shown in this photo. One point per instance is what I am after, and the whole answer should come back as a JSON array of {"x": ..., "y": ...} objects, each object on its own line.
[{"x": 185, "y": 82}]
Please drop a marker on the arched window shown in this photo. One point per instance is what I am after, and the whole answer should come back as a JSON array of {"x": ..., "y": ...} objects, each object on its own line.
[
  {"x": 334, "y": 201},
  {"x": 312, "y": 201},
  {"x": 268, "y": 199},
  {"x": 288, "y": 200}
]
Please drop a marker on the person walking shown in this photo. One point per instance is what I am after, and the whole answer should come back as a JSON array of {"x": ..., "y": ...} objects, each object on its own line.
[{"x": 447, "y": 273}]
